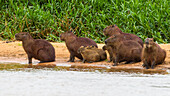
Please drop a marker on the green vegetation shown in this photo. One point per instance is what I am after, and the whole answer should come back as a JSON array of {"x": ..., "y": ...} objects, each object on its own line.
[
  {"x": 46, "y": 19},
  {"x": 12, "y": 66}
]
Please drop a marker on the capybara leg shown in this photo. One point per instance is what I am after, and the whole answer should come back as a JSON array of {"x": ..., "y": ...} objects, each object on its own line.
[
  {"x": 146, "y": 65},
  {"x": 71, "y": 59},
  {"x": 116, "y": 61},
  {"x": 110, "y": 59},
  {"x": 83, "y": 60},
  {"x": 29, "y": 59},
  {"x": 153, "y": 64}
]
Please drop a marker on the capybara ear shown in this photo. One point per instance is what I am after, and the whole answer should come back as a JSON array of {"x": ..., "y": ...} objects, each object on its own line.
[{"x": 113, "y": 25}]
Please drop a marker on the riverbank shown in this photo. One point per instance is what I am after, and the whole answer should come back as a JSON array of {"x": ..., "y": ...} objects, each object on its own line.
[{"x": 13, "y": 52}]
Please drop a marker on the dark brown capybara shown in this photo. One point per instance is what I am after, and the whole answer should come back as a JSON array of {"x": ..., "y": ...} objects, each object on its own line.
[
  {"x": 129, "y": 51},
  {"x": 109, "y": 50},
  {"x": 73, "y": 43},
  {"x": 36, "y": 48},
  {"x": 152, "y": 54},
  {"x": 114, "y": 30},
  {"x": 88, "y": 54},
  {"x": 102, "y": 53}
]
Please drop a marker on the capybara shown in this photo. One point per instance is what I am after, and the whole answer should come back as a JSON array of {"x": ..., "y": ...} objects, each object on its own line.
[
  {"x": 152, "y": 54},
  {"x": 36, "y": 48},
  {"x": 73, "y": 43},
  {"x": 109, "y": 50},
  {"x": 88, "y": 54},
  {"x": 103, "y": 55},
  {"x": 114, "y": 30},
  {"x": 129, "y": 51}
]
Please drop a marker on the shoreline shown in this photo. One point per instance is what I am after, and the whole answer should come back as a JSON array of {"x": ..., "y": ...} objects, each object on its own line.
[{"x": 14, "y": 53}]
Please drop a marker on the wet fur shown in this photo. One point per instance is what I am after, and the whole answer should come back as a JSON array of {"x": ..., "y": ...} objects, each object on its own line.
[
  {"x": 36, "y": 48},
  {"x": 88, "y": 55},
  {"x": 110, "y": 51},
  {"x": 152, "y": 54},
  {"x": 73, "y": 43},
  {"x": 129, "y": 51},
  {"x": 103, "y": 55},
  {"x": 114, "y": 30}
]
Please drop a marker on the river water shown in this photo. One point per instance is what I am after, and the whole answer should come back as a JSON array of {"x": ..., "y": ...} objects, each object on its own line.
[{"x": 41, "y": 82}]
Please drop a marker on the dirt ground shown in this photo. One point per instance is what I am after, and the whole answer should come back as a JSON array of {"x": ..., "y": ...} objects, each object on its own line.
[{"x": 13, "y": 52}]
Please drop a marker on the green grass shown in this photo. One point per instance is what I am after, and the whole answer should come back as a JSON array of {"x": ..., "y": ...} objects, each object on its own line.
[
  {"x": 13, "y": 66},
  {"x": 46, "y": 19}
]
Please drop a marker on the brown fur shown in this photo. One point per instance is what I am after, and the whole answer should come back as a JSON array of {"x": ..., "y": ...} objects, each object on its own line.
[
  {"x": 88, "y": 54},
  {"x": 129, "y": 51},
  {"x": 152, "y": 54},
  {"x": 114, "y": 30},
  {"x": 110, "y": 51},
  {"x": 36, "y": 48},
  {"x": 103, "y": 55},
  {"x": 73, "y": 43}
]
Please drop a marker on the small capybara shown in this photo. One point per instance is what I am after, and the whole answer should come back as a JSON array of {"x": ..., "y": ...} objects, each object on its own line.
[
  {"x": 103, "y": 55},
  {"x": 110, "y": 51},
  {"x": 88, "y": 54},
  {"x": 73, "y": 43},
  {"x": 129, "y": 51},
  {"x": 36, "y": 48},
  {"x": 114, "y": 30},
  {"x": 152, "y": 54}
]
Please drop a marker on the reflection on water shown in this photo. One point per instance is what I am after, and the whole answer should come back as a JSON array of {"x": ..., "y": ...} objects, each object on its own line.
[{"x": 38, "y": 82}]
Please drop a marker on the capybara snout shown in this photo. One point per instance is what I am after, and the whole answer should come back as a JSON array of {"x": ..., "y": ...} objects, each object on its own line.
[{"x": 21, "y": 36}]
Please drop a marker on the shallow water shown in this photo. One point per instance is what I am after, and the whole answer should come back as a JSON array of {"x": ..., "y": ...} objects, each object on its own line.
[{"x": 41, "y": 82}]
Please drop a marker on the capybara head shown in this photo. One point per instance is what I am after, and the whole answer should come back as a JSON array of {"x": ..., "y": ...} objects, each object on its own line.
[
  {"x": 22, "y": 36},
  {"x": 66, "y": 35},
  {"x": 80, "y": 49},
  {"x": 111, "y": 30},
  {"x": 111, "y": 39},
  {"x": 149, "y": 42}
]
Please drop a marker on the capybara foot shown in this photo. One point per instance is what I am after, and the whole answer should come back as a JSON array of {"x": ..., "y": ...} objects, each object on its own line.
[
  {"x": 109, "y": 61},
  {"x": 144, "y": 65},
  {"x": 147, "y": 67},
  {"x": 70, "y": 61},
  {"x": 90, "y": 62},
  {"x": 114, "y": 64}
]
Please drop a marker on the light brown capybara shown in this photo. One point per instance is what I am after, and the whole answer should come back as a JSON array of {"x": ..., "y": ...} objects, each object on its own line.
[
  {"x": 103, "y": 55},
  {"x": 129, "y": 51},
  {"x": 73, "y": 43},
  {"x": 36, "y": 48},
  {"x": 152, "y": 54},
  {"x": 114, "y": 30},
  {"x": 88, "y": 54},
  {"x": 109, "y": 50}
]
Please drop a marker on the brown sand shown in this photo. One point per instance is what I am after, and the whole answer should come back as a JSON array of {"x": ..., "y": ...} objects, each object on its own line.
[{"x": 13, "y": 51}]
